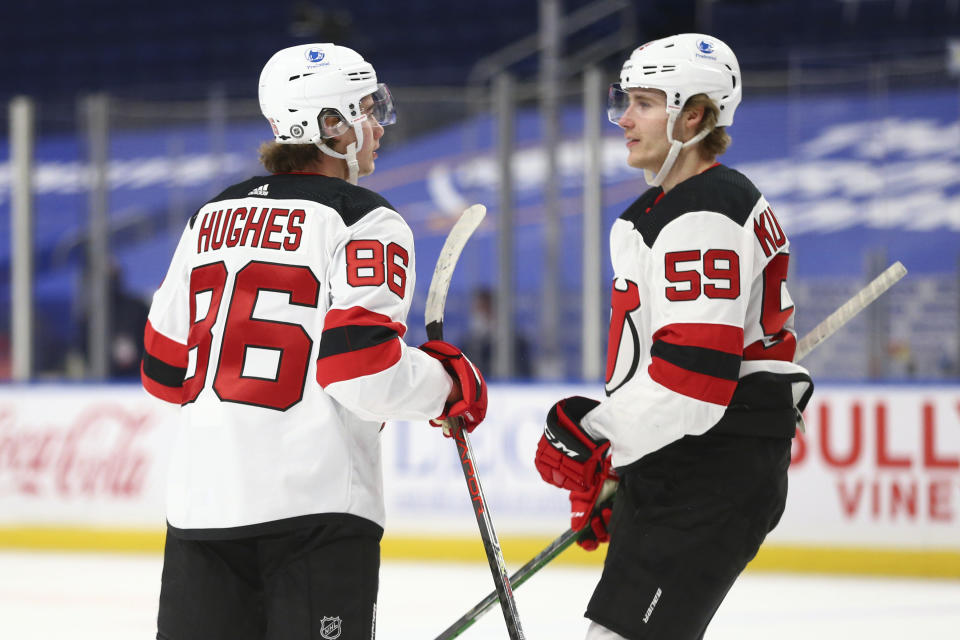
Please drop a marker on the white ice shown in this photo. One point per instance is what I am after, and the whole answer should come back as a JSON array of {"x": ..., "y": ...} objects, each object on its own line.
[{"x": 54, "y": 596}]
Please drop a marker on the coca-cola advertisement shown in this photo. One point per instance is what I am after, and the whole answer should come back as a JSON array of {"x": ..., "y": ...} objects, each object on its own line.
[{"x": 82, "y": 455}]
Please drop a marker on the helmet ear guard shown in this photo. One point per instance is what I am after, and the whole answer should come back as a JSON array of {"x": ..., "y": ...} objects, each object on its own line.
[{"x": 332, "y": 124}]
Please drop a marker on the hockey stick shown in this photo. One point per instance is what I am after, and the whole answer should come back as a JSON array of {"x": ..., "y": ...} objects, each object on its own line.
[
  {"x": 860, "y": 301},
  {"x": 436, "y": 298},
  {"x": 524, "y": 573},
  {"x": 844, "y": 313}
]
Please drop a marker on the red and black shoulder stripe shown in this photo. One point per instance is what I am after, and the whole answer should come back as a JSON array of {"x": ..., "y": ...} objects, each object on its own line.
[{"x": 357, "y": 342}]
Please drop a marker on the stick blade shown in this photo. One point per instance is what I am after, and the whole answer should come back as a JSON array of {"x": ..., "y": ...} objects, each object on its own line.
[{"x": 469, "y": 220}]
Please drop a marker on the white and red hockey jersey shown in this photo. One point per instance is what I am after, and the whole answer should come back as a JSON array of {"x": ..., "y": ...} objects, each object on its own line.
[
  {"x": 278, "y": 329},
  {"x": 701, "y": 329}
]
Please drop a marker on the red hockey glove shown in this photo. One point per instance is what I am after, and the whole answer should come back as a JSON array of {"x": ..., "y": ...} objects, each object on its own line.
[
  {"x": 472, "y": 406},
  {"x": 570, "y": 458},
  {"x": 567, "y": 456},
  {"x": 590, "y": 513}
]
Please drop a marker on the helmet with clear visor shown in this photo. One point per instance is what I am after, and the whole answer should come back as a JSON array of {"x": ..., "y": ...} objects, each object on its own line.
[
  {"x": 377, "y": 106},
  {"x": 681, "y": 66},
  {"x": 313, "y": 92}
]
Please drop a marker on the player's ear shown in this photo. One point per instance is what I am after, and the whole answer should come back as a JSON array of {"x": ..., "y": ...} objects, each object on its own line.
[{"x": 692, "y": 117}]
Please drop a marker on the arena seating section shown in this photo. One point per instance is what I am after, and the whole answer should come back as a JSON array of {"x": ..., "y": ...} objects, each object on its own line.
[{"x": 177, "y": 49}]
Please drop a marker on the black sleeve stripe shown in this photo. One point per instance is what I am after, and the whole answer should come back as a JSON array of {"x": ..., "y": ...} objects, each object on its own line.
[
  {"x": 699, "y": 359},
  {"x": 163, "y": 373},
  {"x": 353, "y": 338}
]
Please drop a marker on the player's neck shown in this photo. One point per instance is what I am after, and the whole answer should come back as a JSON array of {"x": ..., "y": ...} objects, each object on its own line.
[
  {"x": 689, "y": 163},
  {"x": 329, "y": 166}
]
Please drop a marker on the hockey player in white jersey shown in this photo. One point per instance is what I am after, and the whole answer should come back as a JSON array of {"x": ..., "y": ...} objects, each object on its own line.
[
  {"x": 279, "y": 331},
  {"x": 702, "y": 394}
]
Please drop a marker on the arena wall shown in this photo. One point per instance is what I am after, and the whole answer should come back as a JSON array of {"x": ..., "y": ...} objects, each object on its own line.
[{"x": 874, "y": 484}]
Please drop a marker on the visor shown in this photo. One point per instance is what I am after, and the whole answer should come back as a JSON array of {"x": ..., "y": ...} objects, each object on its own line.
[
  {"x": 333, "y": 124},
  {"x": 383, "y": 110},
  {"x": 618, "y": 101}
]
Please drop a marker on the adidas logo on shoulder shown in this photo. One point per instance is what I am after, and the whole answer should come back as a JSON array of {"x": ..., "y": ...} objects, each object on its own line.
[{"x": 262, "y": 190}]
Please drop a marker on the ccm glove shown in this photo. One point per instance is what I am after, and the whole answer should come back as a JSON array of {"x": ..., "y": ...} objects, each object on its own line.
[
  {"x": 471, "y": 408},
  {"x": 567, "y": 456},
  {"x": 570, "y": 458}
]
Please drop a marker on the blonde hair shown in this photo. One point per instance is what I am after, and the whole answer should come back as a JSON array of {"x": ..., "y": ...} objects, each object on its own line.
[
  {"x": 718, "y": 139},
  {"x": 284, "y": 158}
]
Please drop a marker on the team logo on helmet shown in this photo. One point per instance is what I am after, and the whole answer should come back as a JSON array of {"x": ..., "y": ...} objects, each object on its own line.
[
  {"x": 315, "y": 54},
  {"x": 705, "y": 46},
  {"x": 296, "y": 131},
  {"x": 330, "y": 628}
]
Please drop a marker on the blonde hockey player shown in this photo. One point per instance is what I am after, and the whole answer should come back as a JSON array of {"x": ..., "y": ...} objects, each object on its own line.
[
  {"x": 702, "y": 394},
  {"x": 279, "y": 332}
]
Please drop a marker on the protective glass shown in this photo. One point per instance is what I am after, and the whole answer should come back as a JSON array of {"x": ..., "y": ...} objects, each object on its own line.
[
  {"x": 382, "y": 109},
  {"x": 618, "y": 101},
  {"x": 378, "y": 105}
]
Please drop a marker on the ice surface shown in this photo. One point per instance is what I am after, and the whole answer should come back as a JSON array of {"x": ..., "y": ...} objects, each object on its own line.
[{"x": 51, "y": 596}]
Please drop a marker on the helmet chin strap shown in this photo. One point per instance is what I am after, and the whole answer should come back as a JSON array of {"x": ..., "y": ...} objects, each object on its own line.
[
  {"x": 675, "y": 148},
  {"x": 353, "y": 167}
]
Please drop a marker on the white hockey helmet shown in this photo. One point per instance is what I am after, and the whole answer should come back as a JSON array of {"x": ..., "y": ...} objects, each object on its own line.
[
  {"x": 681, "y": 66},
  {"x": 312, "y": 92}
]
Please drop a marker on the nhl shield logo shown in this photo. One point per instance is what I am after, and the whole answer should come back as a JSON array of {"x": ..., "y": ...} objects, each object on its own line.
[{"x": 330, "y": 628}]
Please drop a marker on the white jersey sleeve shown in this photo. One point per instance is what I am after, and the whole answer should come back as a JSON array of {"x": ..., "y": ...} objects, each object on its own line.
[
  {"x": 168, "y": 327},
  {"x": 363, "y": 363}
]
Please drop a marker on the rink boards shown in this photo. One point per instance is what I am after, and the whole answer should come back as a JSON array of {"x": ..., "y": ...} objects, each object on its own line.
[{"x": 874, "y": 484}]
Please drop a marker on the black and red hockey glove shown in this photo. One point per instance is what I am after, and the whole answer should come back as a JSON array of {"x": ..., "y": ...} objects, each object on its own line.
[
  {"x": 590, "y": 513},
  {"x": 471, "y": 408},
  {"x": 567, "y": 456},
  {"x": 570, "y": 458}
]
